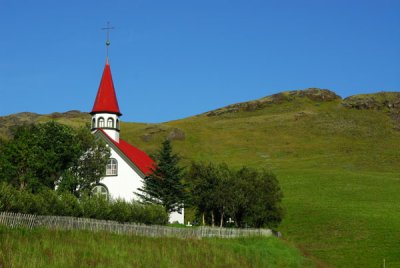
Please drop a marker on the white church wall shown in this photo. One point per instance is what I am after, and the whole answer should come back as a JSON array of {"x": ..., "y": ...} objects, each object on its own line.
[
  {"x": 177, "y": 217},
  {"x": 125, "y": 183}
]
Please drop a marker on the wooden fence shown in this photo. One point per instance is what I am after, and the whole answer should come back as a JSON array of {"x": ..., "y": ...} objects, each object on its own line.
[{"x": 14, "y": 220}]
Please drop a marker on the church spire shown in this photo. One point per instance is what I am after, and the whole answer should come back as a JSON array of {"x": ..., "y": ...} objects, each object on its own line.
[
  {"x": 105, "y": 112},
  {"x": 106, "y": 99}
]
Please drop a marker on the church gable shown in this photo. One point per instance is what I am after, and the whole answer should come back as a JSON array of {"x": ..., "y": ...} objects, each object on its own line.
[
  {"x": 122, "y": 181},
  {"x": 138, "y": 160}
]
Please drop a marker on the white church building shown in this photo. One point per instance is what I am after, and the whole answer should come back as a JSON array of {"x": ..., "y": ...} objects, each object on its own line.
[{"x": 128, "y": 165}]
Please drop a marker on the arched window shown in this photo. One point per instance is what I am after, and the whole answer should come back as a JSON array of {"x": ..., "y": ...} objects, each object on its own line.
[
  {"x": 112, "y": 167},
  {"x": 117, "y": 124},
  {"x": 110, "y": 122},
  {"x": 101, "y": 122},
  {"x": 93, "y": 123},
  {"x": 100, "y": 190}
]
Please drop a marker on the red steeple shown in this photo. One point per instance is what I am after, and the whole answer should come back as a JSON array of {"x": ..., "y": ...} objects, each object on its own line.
[{"x": 106, "y": 99}]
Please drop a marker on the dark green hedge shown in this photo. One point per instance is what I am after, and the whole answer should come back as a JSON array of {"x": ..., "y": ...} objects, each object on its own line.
[{"x": 49, "y": 202}]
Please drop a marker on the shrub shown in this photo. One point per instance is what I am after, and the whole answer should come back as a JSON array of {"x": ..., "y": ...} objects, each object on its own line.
[
  {"x": 120, "y": 210},
  {"x": 71, "y": 205},
  {"x": 49, "y": 202},
  {"x": 27, "y": 203},
  {"x": 96, "y": 207},
  {"x": 8, "y": 197},
  {"x": 154, "y": 214},
  {"x": 133, "y": 211}
]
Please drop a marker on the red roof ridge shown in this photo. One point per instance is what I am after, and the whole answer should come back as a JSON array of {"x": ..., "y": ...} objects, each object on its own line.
[
  {"x": 106, "y": 98},
  {"x": 134, "y": 154}
]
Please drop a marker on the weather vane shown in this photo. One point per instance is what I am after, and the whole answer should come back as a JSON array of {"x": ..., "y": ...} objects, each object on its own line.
[{"x": 108, "y": 28}]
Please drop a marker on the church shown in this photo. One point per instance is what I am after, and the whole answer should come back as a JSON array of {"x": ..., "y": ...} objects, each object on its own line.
[{"x": 128, "y": 165}]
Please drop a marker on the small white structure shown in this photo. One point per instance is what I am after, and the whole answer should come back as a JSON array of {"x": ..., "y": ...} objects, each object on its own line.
[{"x": 128, "y": 165}]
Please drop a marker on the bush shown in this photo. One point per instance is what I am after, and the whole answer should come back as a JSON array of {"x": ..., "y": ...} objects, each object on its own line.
[
  {"x": 49, "y": 202},
  {"x": 120, "y": 211},
  {"x": 71, "y": 205},
  {"x": 123, "y": 211},
  {"x": 8, "y": 198},
  {"x": 154, "y": 214},
  {"x": 27, "y": 203},
  {"x": 95, "y": 207}
]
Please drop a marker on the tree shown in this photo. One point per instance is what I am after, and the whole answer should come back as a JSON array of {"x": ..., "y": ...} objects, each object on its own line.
[
  {"x": 202, "y": 186},
  {"x": 165, "y": 183},
  {"x": 261, "y": 199},
  {"x": 37, "y": 156},
  {"x": 89, "y": 168},
  {"x": 211, "y": 190},
  {"x": 250, "y": 197}
]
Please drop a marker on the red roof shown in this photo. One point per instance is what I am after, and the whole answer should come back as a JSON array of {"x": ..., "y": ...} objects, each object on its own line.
[
  {"x": 137, "y": 157},
  {"x": 106, "y": 99}
]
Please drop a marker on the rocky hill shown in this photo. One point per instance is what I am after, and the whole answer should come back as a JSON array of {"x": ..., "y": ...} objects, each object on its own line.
[
  {"x": 377, "y": 101},
  {"x": 72, "y": 117},
  {"x": 314, "y": 94},
  {"x": 384, "y": 101}
]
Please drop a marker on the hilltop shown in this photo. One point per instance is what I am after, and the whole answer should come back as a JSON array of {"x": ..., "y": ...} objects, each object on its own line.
[
  {"x": 315, "y": 94},
  {"x": 382, "y": 101},
  {"x": 72, "y": 118},
  {"x": 336, "y": 159}
]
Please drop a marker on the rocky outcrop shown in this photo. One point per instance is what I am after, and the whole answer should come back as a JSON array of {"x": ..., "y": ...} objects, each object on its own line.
[
  {"x": 377, "y": 101},
  {"x": 176, "y": 134},
  {"x": 314, "y": 94},
  {"x": 171, "y": 134},
  {"x": 384, "y": 101}
]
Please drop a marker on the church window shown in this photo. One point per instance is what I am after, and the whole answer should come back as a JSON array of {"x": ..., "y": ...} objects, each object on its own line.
[
  {"x": 117, "y": 125},
  {"x": 110, "y": 122},
  {"x": 101, "y": 122},
  {"x": 112, "y": 167},
  {"x": 94, "y": 123},
  {"x": 100, "y": 190}
]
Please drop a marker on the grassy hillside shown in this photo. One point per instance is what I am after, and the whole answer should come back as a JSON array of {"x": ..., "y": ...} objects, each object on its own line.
[
  {"x": 49, "y": 248},
  {"x": 337, "y": 162}
]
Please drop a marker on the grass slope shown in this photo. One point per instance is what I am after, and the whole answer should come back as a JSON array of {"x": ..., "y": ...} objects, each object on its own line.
[
  {"x": 338, "y": 167},
  {"x": 49, "y": 248},
  {"x": 337, "y": 162}
]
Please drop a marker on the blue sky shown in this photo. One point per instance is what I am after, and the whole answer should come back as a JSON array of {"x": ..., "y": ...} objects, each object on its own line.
[{"x": 173, "y": 59}]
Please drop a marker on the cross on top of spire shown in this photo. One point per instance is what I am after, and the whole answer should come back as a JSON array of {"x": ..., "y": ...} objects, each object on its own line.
[{"x": 108, "y": 28}]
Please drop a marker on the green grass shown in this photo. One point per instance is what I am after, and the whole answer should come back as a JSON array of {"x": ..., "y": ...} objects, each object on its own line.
[
  {"x": 49, "y": 248},
  {"x": 346, "y": 218},
  {"x": 338, "y": 167}
]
